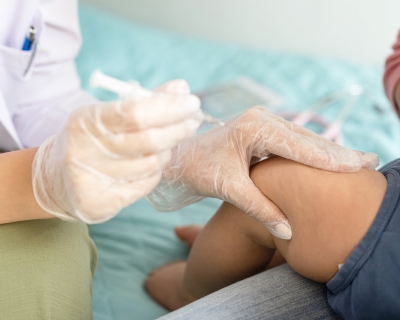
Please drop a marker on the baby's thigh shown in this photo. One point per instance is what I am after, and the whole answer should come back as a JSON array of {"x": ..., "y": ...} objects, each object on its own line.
[{"x": 329, "y": 213}]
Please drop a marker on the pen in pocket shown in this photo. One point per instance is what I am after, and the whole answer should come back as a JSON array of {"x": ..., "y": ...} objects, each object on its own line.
[{"x": 30, "y": 39}]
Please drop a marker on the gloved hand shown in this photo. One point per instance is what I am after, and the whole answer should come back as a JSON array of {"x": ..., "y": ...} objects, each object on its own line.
[
  {"x": 111, "y": 154},
  {"x": 216, "y": 164}
]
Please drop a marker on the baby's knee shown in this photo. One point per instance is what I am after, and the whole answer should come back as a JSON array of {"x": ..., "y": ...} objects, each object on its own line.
[
  {"x": 237, "y": 221},
  {"x": 46, "y": 269}
]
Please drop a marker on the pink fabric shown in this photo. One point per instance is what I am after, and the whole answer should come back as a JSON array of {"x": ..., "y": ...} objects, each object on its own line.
[{"x": 392, "y": 74}]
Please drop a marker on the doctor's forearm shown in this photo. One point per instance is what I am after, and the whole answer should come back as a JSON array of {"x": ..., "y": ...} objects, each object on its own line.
[{"x": 17, "y": 201}]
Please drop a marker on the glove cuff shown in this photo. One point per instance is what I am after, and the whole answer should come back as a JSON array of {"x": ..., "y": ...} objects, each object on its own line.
[{"x": 47, "y": 181}]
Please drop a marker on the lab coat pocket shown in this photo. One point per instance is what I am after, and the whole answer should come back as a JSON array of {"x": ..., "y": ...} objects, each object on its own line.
[
  {"x": 14, "y": 73},
  {"x": 14, "y": 63}
]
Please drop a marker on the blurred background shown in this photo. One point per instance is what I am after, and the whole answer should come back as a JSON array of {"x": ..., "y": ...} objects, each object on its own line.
[{"x": 360, "y": 31}]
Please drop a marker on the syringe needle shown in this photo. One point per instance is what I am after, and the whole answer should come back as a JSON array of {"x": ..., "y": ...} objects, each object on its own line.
[{"x": 211, "y": 120}]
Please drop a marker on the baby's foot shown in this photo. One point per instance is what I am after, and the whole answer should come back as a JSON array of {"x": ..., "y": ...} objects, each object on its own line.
[
  {"x": 164, "y": 285},
  {"x": 188, "y": 234}
]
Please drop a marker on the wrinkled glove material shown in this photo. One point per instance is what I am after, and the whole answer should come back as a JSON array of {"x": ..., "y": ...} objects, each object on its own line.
[
  {"x": 111, "y": 154},
  {"x": 216, "y": 164}
]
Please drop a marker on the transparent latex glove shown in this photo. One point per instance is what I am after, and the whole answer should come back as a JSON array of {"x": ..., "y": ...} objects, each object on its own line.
[
  {"x": 216, "y": 164},
  {"x": 111, "y": 154}
]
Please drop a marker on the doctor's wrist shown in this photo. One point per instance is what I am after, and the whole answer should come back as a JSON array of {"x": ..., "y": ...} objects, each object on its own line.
[{"x": 16, "y": 195}]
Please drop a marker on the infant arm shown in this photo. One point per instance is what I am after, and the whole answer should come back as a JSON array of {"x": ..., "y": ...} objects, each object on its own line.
[{"x": 329, "y": 212}]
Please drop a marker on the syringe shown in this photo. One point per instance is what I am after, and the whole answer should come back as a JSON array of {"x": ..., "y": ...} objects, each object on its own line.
[{"x": 126, "y": 90}]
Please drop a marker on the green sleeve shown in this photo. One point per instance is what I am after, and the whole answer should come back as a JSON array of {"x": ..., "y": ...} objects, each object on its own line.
[{"x": 46, "y": 270}]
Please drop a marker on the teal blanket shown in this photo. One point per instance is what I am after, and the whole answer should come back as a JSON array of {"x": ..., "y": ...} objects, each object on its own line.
[{"x": 140, "y": 239}]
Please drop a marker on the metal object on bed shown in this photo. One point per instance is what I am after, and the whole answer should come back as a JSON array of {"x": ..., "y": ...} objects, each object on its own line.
[{"x": 332, "y": 131}]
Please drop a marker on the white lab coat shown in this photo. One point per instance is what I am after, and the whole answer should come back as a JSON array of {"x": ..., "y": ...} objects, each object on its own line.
[{"x": 35, "y": 103}]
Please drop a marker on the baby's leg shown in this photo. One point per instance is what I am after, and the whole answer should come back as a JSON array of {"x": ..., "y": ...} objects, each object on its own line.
[
  {"x": 231, "y": 247},
  {"x": 189, "y": 233},
  {"x": 329, "y": 214}
]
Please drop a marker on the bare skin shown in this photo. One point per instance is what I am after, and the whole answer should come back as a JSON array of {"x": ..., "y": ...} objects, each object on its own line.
[
  {"x": 16, "y": 195},
  {"x": 329, "y": 214},
  {"x": 188, "y": 234}
]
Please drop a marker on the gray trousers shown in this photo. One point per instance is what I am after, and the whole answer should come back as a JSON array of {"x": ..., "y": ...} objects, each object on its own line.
[{"x": 279, "y": 293}]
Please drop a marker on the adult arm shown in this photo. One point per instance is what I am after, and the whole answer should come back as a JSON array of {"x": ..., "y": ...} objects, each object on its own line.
[
  {"x": 391, "y": 79},
  {"x": 104, "y": 158},
  {"x": 16, "y": 196}
]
